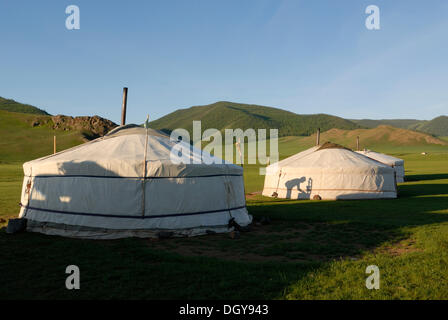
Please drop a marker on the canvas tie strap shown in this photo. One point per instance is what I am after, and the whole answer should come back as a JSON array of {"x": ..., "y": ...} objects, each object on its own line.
[
  {"x": 229, "y": 194},
  {"x": 145, "y": 167},
  {"x": 28, "y": 191}
]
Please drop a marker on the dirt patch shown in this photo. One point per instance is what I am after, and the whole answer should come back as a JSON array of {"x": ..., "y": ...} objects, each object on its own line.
[
  {"x": 248, "y": 247},
  {"x": 275, "y": 242},
  {"x": 400, "y": 248},
  {"x": 253, "y": 195}
]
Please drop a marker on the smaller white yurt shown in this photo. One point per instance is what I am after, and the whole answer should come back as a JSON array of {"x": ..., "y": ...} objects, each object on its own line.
[
  {"x": 126, "y": 184},
  {"x": 396, "y": 163},
  {"x": 331, "y": 172}
]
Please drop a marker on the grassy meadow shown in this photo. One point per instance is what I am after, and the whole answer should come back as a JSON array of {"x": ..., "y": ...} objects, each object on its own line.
[{"x": 309, "y": 250}]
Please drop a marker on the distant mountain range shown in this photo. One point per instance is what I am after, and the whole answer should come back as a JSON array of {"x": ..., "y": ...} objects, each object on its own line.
[
  {"x": 437, "y": 126},
  {"x": 27, "y": 131},
  {"x": 224, "y": 114},
  {"x": 372, "y": 138}
]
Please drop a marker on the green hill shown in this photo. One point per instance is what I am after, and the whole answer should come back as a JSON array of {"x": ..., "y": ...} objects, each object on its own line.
[
  {"x": 437, "y": 126},
  {"x": 14, "y": 106},
  {"x": 223, "y": 114},
  {"x": 30, "y": 136},
  {"x": 21, "y": 141}
]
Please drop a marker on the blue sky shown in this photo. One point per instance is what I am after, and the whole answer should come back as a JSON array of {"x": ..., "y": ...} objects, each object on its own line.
[{"x": 313, "y": 56}]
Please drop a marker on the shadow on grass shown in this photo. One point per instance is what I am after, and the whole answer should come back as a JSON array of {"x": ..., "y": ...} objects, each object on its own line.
[
  {"x": 422, "y": 177},
  {"x": 33, "y": 267},
  {"x": 304, "y": 236},
  {"x": 407, "y": 191},
  {"x": 377, "y": 213}
]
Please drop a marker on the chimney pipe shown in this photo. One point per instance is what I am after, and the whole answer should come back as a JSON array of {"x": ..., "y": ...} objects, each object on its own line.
[
  {"x": 318, "y": 137},
  {"x": 123, "y": 106},
  {"x": 357, "y": 143}
]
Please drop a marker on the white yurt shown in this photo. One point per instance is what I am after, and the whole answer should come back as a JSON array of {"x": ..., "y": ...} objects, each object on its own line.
[
  {"x": 125, "y": 184},
  {"x": 331, "y": 172},
  {"x": 396, "y": 163}
]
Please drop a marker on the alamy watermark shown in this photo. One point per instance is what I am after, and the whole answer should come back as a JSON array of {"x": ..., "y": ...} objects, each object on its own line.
[
  {"x": 73, "y": 21},
  {"x": 373, "y": 20},
  {"x": 373, "y": 281},
  {"x": 73, "y": 280},
  {"x": 189, "y": 151}
]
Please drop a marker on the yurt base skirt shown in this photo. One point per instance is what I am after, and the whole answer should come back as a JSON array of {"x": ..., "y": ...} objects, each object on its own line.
[
  {"x": 64, "y": 230},
  {"x": 145, "y": 227},
  {"x": 328, "y": 194}
]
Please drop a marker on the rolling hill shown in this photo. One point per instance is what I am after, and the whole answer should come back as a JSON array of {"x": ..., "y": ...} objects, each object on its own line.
[
  {"x": 14, "y": 106},
  {"x": 28, "y": 136},
  {"x": 27, "y": 132},
  {"x": 380, "y": 137},
  {"x": 223, "y": 114},
  {"x": 398, "y": 123},
  {"x": 437, "y": 126},
  {"x": 385, "y": 139}
]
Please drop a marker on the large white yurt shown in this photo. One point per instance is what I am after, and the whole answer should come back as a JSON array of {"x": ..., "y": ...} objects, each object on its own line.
[
  {"x": 330, "y": 172},
  {"x": 396, "y": 163},
  {"x": 125, "y": 184}
]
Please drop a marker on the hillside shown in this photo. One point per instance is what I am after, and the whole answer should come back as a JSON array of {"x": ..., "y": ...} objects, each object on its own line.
[
  {"x": 222, "y": 115},
  {"x": 29, "y": 136},
  {"x": 379, "y": 137},
  {"x": 398, "y": 123},
  {"x": 437, "y": 126},
  {"x": 14, "y": 106}
]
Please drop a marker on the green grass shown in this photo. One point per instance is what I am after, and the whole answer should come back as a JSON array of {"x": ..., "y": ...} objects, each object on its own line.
[
  {"x": 11, "y": 176},
  {"x": 310, "y": 250}
]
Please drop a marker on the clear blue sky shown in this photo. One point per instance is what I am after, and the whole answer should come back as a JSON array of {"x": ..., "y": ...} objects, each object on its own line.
[{"x": 313, "y": 56}]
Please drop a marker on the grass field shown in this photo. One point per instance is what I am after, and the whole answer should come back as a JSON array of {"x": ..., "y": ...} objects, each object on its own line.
[{"x": 310, "y": 250}]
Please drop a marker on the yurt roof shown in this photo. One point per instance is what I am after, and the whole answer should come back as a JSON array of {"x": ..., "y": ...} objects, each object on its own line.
[
  {"x": 330, "y": 155},
  {"x": 384, "y": 158},
  {"x": 122, "y": 152},
  {"x": 285, "y": 162}
]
